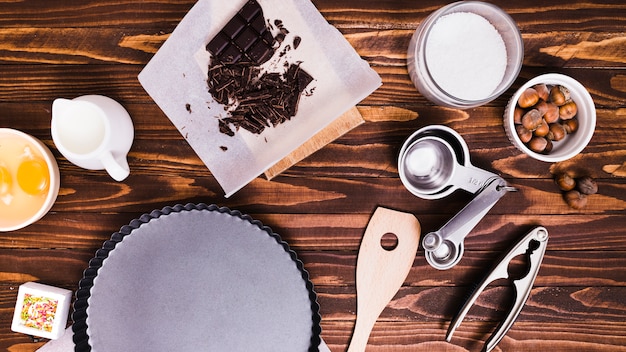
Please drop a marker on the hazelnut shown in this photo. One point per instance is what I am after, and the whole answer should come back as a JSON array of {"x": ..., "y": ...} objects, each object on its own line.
[
  {"x": 559, "y": 95},
  {"x": 568, "y": 110},
  {"x": 565, "y": 92},
  {"x": 542, "y": 107},
  {"x": 524, "y": 134},
  {"x": 586, "y": 185},
  {"x": 542, "y": 91},
  {"x": 543, "y": 129},
  {"x": 531, "y": 120},
  {"x": 549, "y": 146},
  {"x": 528, "y": 98},
  {"x": 537, "y": 144},
  {"x": 552, "y": 113},
  {"x": 575, "y": 199},
  {"x": 557, "y": 132},
  {"x": 517, "y": 115},
  {"x": 565, "y": 182},
  {"x": 570, "y": 125}
]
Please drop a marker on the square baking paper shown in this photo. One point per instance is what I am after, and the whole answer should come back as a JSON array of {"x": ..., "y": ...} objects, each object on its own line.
[{"x": 176, "y": 79}]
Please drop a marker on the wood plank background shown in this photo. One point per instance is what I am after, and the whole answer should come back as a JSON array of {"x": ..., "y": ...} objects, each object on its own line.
[{"x": 321, "y": 206}]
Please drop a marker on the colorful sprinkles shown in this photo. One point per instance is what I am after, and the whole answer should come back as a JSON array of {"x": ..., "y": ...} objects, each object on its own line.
[{"x": 38, "y": 312}]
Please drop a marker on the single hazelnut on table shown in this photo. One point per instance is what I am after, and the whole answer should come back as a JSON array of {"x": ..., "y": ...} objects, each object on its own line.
[
  {"x": 586, "y": 185},
  {"x": 528, "y": 98},
  {"x": 568, "y": 110},
  {"x": 575, "y": 199},
  {"x": 565, "y": 181}
]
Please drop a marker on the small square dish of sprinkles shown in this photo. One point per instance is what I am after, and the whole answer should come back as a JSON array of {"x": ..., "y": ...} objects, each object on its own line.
[
  {"x": 41, "y": 310},
  {"x": 254, "y": 99}
]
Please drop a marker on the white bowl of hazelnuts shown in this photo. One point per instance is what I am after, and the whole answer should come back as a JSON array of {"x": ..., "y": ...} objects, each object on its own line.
[{"x": 550, "y": 118}]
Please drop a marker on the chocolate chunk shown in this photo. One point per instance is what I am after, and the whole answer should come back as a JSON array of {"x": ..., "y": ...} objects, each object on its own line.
[
  {"x": 259, "y": 53},
  {"x": 296, "y": 42},
  {"x": 246, "y": 37},
  {"x": 225, "y": 129},
  {"x": 250, "y": 11}
]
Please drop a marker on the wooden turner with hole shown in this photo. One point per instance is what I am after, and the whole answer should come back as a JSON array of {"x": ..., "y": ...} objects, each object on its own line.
[{"x": 381, "y": 272}]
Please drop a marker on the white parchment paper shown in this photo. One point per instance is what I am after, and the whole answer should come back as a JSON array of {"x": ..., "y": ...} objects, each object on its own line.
[{"x": 176, "y": 79}]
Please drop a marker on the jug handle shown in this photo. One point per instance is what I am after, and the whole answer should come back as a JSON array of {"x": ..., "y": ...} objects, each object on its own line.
[{"x": 118, "y": 169}]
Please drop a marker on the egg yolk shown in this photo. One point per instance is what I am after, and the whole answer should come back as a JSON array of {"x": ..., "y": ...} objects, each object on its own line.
[
  {"x": 5, "y": 181},
  {"x": 33, "y": 176}
]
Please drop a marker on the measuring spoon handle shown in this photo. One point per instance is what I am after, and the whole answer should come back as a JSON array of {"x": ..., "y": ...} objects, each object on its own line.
[
  {"x": 471, "y": 179},
  {"x": 444, "y": 247}
]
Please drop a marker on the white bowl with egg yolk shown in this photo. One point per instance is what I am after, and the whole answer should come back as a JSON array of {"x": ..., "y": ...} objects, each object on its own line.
[{"x": 29, "y": 179}]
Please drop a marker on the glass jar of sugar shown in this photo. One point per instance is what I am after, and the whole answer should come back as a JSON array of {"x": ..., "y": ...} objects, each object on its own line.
[{"x": 465, "y": 54}]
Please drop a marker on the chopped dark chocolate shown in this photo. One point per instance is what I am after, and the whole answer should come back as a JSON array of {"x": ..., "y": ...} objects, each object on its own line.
[
  {"x": 280, "y": 37},
  {"x": 253, "y": 99},
  {"x": 258, "y": 101}
]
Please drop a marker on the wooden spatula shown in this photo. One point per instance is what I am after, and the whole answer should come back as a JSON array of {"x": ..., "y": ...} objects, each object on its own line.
[{"x": 380, "y": 272}]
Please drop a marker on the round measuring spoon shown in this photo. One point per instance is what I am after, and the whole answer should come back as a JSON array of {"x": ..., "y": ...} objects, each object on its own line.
[
  {"x": 381, "y": 272},
  {"x": 435, "y": 162}
]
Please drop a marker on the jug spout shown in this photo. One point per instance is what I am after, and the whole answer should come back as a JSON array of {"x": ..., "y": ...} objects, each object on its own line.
[{"x": 60, "y": 105}]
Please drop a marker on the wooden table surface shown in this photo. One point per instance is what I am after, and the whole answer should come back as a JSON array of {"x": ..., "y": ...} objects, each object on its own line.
[{"x": 321, "y": 206}]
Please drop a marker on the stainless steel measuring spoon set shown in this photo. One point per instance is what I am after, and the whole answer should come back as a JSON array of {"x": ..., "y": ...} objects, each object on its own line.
[{"x": 433, "y": 163}]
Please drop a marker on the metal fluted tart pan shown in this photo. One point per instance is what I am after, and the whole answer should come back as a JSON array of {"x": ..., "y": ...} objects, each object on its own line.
[{"x": 196, "y": 278}]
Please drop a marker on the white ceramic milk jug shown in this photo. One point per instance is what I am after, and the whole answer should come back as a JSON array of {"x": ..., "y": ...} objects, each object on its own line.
[{"x": 94, "y": 132}]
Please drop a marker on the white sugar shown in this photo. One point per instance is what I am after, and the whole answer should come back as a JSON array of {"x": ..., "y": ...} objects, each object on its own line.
[{"x": 466, "y": 55}]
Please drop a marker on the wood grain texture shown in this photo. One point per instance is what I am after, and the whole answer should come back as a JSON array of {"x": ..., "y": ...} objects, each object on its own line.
[{"x": 321, "y": 206}]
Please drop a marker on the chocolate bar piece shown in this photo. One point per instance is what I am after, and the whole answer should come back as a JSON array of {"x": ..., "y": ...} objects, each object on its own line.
[{"x": 245, "y": 38}]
